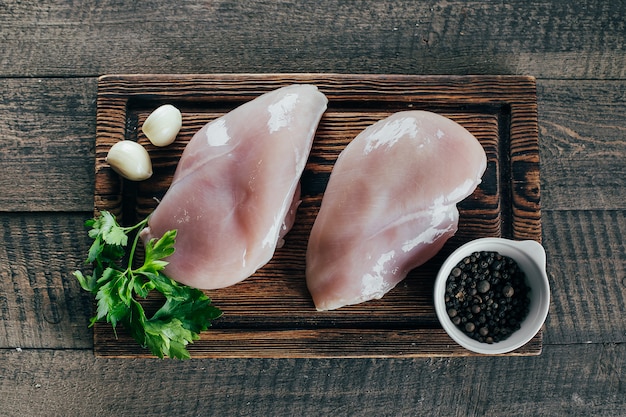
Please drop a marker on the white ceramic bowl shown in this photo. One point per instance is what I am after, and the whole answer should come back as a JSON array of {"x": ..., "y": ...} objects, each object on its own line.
[{"x": 531, "y": 258}]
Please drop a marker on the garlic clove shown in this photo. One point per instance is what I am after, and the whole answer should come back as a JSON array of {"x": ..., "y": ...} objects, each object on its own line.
[
  {"x": 162, "y": 125},
  {"x": 130, "y": 160}
]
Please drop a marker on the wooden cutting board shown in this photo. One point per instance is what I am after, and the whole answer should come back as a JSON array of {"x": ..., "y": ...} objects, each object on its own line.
[{"x": 271, "y": 314}]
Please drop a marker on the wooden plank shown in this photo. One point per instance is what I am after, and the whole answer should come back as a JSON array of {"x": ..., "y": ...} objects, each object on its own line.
[
  {"x": 580, "y": 379},
  {"x": 500, "y": 111},
  {"x": 41, "y": 303},
  {"x": 46, "y": 158},
  {"x": 583, "y": 148},
  {"x": 548, "y": 39},
  {"x": 587, "y": 270}
]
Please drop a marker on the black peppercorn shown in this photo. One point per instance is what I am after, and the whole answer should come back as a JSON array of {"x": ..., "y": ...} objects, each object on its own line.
[
  {"x": 508, "y": 291},
  {"x": 487, "y": 296},
  {"x": 483, "y": 286}
]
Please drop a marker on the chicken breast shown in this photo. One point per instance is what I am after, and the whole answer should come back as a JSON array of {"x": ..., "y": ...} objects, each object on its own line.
[
  {"x": 389, "y": 206},
  {"x": 236, "y": 188}
]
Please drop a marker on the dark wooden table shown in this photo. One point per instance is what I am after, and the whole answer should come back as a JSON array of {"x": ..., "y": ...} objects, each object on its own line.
[{"x": 52, "y": 55}]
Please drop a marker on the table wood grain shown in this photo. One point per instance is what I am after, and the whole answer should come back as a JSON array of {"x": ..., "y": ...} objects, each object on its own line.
[{"x": 54, "y": 52}]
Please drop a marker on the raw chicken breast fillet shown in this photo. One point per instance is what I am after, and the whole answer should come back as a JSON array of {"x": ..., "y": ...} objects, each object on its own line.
[
  {"x": 390, "y": 205},
  {"x": 237, "y": 186}
]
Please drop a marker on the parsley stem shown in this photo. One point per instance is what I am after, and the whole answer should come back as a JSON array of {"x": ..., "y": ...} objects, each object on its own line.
[{"x": 139, "y": 226}]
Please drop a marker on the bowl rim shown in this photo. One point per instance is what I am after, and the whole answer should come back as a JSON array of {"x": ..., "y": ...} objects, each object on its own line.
[{"x": 526, "y": 252}]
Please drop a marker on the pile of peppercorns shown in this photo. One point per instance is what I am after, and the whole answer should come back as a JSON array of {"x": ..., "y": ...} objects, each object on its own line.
[{"x": 487, "y": 296}]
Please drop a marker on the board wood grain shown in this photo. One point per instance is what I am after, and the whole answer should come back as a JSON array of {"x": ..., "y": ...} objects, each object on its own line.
[{"x": 271, "y": 313}]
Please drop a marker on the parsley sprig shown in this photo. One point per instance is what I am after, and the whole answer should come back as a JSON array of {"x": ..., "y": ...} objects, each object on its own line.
[{"x": 186, "y": 312}]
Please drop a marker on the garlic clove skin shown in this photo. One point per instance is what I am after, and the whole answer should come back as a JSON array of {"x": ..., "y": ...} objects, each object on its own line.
[
  {"x": 130, "y": 160},
  {"x": 162, "y": 125}
]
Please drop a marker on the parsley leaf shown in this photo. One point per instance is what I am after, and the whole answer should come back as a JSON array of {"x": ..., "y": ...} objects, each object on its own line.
[{"x": 186, "y": 311}]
